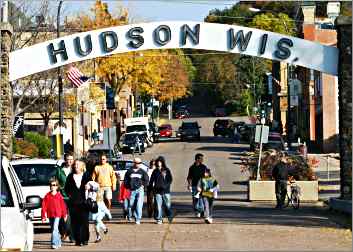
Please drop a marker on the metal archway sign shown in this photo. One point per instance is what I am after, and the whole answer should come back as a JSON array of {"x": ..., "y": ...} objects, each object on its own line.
[{"x": 172, "y": 34}]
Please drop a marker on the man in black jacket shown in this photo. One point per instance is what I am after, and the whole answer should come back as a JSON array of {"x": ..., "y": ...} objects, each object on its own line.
[
  {"x": 136, "y": 180},
  {"x": 280, "y": 175},
  {"x": 160, "y": 182},
  {"x": 196, "y": 171}
]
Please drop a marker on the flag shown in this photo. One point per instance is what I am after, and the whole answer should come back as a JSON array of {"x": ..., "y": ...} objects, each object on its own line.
[{"x": 76, "y": 77}]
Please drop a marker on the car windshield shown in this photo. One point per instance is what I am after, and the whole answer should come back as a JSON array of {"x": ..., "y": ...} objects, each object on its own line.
[
  {"x": 35, "y": 174},
  {"x": 189, "y": 125},
  {"x": 6, "y": 197},
  {"x": 222, "y": 122},
  {"x": 163, "y": 128},
  {"x": 134, "y": 128},
  {"x": 131, "y": 137}
]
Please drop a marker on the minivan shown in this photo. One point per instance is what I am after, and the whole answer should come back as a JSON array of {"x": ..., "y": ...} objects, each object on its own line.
[{"x": 16, "y": 224}]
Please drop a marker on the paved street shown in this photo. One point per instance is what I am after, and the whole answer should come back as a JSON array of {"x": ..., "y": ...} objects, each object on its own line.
[{"x": 239, "y": 225}]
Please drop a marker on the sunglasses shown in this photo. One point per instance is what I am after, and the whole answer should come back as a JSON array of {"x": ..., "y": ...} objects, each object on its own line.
[{"x": 53, "y": 185}]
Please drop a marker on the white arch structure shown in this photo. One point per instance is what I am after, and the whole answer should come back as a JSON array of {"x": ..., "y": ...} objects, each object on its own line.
[{"x": 172, "y": 34}]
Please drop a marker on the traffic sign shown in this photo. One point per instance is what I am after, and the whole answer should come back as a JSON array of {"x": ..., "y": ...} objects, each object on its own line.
[{"x": 265, "y": 131}]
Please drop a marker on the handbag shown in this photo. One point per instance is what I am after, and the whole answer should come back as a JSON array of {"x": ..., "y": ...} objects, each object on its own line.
[{"x": 92, "y": 205}]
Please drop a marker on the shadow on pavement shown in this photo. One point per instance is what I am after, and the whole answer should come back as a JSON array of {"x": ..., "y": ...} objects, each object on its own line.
[
  {"x": 306, "y": 216},
  {"x": 222, "y": 148}
]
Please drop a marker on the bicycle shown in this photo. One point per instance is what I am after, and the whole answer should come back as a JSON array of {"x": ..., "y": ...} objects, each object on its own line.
[{"x": 294, "y": 197}]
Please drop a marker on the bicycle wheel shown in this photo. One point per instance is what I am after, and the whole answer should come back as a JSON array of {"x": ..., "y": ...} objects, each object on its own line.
[{"x": 295, "y": 200}]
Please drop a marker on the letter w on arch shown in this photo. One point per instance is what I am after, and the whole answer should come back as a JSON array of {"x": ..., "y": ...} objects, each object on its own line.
[{"x": 209, "y": 36}]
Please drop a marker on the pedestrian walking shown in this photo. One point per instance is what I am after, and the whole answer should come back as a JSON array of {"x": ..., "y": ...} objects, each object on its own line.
[
  {"x": 137, "y": 145},
  {"x": 105, "y": 176},
  {"x": 54, "y": 208},
  {"x": 280, "y": 175},
  {"x": 150, "y": 195},
  {"x": 160, "y": 182},
  {"x": 61, "y": 174},
  {"x": 79, "y": 213},
  {"x": 196, "y": 172},
  {"x": 68, "y": 148},
  {"x": 124, "y": 199},
  {"x": 208, "y": 188},
  {"x": 136, "y": 180},
  {"x": 93, "y": 192},
  {"x": 236, "y": 135},
  {"x": 95, "y": 137}
]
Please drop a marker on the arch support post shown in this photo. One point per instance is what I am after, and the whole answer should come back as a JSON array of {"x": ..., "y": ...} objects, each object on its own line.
[
  {"x": 5, "y": 91},
  {"x": 344, "y": 44}
]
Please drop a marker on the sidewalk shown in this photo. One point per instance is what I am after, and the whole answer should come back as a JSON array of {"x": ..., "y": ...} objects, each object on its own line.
[{"x": 237, "y": 226}]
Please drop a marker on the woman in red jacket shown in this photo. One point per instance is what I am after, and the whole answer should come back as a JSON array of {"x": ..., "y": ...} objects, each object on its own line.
[{"x": 54, "y": 208}]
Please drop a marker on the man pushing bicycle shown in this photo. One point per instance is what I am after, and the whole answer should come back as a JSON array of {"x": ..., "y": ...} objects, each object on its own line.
[{"x": 280, "y": 175}]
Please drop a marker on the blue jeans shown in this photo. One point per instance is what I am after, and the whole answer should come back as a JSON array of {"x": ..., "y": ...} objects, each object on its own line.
[
  {"x": 127, "y": 208},
  {"x": 136, "y": 202},
  {"x": 55, "y": 235},
  {"x": 160, "y": 199},
  {"x": 197, "y": 203},
  {"x": 99, "y": 222}
]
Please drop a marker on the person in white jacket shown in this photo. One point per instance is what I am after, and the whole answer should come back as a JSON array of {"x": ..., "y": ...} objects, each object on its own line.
[{"x": 92, "y": 191}]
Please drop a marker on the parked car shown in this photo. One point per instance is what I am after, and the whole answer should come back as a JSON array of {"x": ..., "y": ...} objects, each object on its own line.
[
  {"x": 140, "y": 125},
  {"x": 16, "y": 225},
  {"x": 247, "y": 132},
  {"x": 128, "y": 142},
  {"x": 155, "y": 132},
  {"x": 189, "y": 130},
  {"x": 34, "y": 176},
  {"x": 223, "y": 127},
  {"x": 275, "y": 141},
  {"x": 220, "y": 111},
  {"x": 94, "y": 153},
  {"x": 182, "y": 113},
  {"x": 165, "y": 130},
  {"x": 120, "y": 168}
]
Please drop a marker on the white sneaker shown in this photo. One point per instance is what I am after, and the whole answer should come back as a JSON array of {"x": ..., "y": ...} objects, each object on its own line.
[
  {"x": 159, "y": 222},
  {"x": 210, "y": 220},
  {"x": 137, "y": 222},
  {"x": 198, "y": 215}
]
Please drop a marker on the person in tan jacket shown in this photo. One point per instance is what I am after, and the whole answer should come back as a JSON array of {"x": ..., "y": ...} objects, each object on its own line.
[{"x": 104, "y": 175}]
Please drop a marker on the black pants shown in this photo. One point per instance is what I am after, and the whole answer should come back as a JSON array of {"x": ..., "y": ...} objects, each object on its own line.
[
  {"x": 281, "y": 191},
  {"x": 79, "y": 223},
  {"x": 150, "y": 204}
]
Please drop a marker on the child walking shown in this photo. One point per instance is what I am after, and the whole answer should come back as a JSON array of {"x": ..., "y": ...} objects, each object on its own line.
[
  {"x": 92, "y": 191},
  {"x": 54, "y": 208},
  {"x": 124, "y": 198},
  {"x": 208, "y": 188}
]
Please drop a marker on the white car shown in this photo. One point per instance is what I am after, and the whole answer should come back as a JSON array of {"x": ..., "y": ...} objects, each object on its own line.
[
  {"x": 16, "y": 226},
  {"x": 121, "y": 167},
  {"x": 34, "y": 175}
]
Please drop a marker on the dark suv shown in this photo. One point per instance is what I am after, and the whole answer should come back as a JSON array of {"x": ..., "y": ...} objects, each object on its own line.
[
  {"x": 189, "y": 130},
  {"x": 223, "y": 127}
]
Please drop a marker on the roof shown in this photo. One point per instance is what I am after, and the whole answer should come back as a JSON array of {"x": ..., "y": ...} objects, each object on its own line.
[{"x": 35, "y": 161}]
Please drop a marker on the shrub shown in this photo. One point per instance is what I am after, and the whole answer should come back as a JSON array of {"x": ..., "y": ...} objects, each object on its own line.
[
  {"x": 300, "y": 168},
  {"x": 43, "y": 143},
  {"x": 26, "y": 148}
]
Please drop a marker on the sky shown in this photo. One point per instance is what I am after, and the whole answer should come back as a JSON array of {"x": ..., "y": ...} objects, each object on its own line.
[{"x": 155, "y": 10}]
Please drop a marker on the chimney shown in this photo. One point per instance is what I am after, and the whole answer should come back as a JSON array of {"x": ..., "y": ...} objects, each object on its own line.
[{"x": 308, "y": 10}]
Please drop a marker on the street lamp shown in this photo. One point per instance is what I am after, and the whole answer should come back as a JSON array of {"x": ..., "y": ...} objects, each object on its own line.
[{"x": 60, "y": 81}]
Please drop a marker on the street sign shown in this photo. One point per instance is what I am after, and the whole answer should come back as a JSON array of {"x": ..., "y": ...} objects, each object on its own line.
[{"x": 265, "y": 131}]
